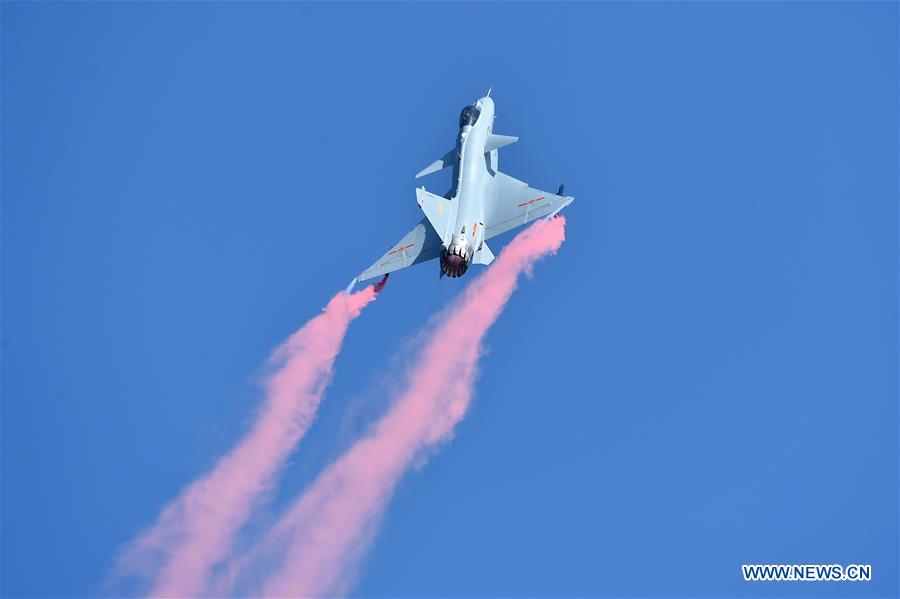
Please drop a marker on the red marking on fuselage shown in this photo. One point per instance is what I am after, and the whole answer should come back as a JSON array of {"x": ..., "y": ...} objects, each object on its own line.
[
  {"x": 405, "y": 247},
  {"x": 531, "y": 201}
]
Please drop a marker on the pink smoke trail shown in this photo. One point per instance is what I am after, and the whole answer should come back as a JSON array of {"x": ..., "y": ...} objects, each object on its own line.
[
  {"x": 324, "y": 533},
  {"x": 197, "y": 530}
]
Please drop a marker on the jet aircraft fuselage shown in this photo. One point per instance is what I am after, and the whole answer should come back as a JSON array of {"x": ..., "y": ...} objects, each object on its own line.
[
  {"x": 470, "y": 182},
  {"x": 481, "y": 203}
]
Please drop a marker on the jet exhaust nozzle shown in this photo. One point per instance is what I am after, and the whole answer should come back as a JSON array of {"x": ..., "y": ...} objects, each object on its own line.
[{"x": 456, "y": 258}]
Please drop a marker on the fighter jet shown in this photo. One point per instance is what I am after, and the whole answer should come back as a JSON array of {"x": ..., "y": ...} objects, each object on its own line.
[{"x": 482, "y": 203}]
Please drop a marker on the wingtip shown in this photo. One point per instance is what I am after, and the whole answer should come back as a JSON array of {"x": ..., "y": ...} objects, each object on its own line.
[
  {"x": 351, "y": 285},
  {"x": 380, "y": 284},
  {"x": 556, "y": 212}
]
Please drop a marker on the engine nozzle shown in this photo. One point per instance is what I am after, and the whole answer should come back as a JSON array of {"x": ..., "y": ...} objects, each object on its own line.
[{"x": 456, "y": 258}]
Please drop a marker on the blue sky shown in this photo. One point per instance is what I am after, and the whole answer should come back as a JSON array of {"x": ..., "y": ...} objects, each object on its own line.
[{"x": 706, "y": 375}]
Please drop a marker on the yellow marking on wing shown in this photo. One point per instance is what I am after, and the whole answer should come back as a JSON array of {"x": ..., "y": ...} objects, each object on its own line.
[{"x": 440, "y": 207}]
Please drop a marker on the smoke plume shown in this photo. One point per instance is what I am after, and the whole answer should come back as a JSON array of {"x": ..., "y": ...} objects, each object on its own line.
[
  {"x": 312, "y": 550},
  {"x": 197, "y": 530}
]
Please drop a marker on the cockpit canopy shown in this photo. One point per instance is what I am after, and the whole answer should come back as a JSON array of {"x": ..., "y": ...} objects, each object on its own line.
[{"x": 468, "y": 116}]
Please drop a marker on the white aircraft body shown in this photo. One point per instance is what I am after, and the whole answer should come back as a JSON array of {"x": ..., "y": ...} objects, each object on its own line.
[{"x": 482, "y": 203}]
